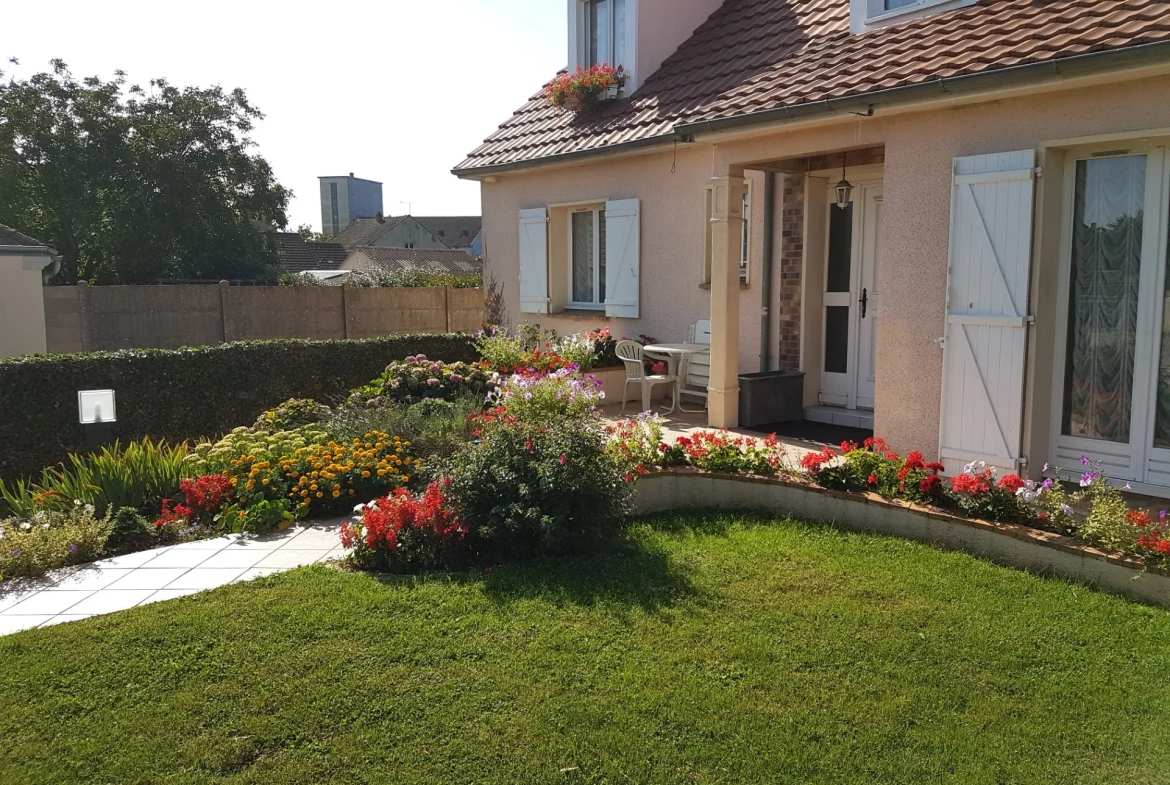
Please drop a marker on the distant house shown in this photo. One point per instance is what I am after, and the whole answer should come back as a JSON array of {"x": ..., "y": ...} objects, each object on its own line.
[
  {"x": 25, "y": 263},
  {"x": 345, "y": 199},
  {"x": 298, "y": 255},
  {"x": 407, "y": 231},
  {"x": 434, "y": 260}
]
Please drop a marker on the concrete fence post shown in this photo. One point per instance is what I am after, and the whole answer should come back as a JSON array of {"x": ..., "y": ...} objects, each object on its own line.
[
  {"x": 345, "y": 309},
  {"x": 223, "y": 287},
  {"x": 84, "y": 314},
  {"x": 447, "y": 306}
]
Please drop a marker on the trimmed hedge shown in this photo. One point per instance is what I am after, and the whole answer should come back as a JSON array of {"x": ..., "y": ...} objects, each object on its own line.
[{"x": 181, "y": 394}]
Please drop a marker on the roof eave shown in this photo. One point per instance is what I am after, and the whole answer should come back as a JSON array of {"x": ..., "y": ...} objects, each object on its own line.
[{"x": 943, "y": 88}]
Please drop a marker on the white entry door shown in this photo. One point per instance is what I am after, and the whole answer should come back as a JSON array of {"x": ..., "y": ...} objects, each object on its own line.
[{"x": 851, "y": 300}]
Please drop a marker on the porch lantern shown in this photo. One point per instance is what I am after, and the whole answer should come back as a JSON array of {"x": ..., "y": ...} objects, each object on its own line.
[
  {"x": 95, "y": 411},
  {"x": 844, "y": 188}
]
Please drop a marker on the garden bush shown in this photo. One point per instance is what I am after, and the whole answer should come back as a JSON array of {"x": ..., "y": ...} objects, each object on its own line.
[
  {"x": 291, "y": 414},
  {"x": 47, "y": 540},
  {"x": 533, "y": 350},
  {"x": 139, "y": 475},
  {"x": 129, "y": 530},
  {"x": 401, "y": 532},
  {"x": 539, "y": 478},
  {"x": 417, "y": 378},
  {"x": 180, "y": 394}
]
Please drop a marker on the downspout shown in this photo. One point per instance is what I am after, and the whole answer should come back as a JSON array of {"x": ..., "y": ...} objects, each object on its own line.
[{"x": 766, "y": 273}]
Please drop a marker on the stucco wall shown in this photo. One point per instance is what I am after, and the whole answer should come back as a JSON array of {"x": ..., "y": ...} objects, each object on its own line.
[
  {"x": 672, "y": 248},
  {"x": 919, "y": 150},
  {"x": 22, "y": 312}
]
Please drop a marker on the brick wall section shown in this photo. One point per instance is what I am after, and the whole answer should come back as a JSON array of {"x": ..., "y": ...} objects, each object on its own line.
[{"x": 790, "y": 263}]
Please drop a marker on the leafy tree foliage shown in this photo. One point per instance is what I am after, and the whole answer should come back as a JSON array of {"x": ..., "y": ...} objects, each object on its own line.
[{"x": 131, "y": 185}]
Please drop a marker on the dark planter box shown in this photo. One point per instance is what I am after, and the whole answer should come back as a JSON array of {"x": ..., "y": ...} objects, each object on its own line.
[{"x": 771, "y": 396}]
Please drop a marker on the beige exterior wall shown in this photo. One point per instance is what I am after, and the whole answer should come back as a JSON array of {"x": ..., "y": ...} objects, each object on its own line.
[
  {"x": 672, "y": 296},
  {"x": 22, "y": 312},
  {"x": 919, "y": 149}
]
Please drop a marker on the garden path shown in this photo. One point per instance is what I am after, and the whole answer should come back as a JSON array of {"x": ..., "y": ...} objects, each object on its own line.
[{"x": 140, "y": 578}]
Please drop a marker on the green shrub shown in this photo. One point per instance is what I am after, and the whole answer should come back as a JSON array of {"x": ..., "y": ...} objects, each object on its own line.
[
  {"x": 139, "y": 475},
  {"x": 179, "y": 394},
  {"x": 129, "y": 530},
  {"x": 291, "y": 414},
  {"x": 539, "y": 481},
  {"x": 417, "y": 377},
  {"x": 217, "y": 457},
  {"x": 47, "y": 540},
  {"x": 262, "y": 516}
]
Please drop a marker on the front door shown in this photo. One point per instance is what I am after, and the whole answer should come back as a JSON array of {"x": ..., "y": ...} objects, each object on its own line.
[{"x": 848, "y": 372}]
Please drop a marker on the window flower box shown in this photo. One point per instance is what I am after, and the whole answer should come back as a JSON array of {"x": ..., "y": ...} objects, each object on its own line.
[{"x": 580, "y": 91}]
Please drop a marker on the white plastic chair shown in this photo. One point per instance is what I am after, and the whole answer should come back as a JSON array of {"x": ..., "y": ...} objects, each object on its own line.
[
  {"x": 630, "y": 353},
  {"x": 694, "y": 378}
]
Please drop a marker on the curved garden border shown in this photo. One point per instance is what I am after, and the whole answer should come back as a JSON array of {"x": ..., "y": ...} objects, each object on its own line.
[{"x": 1003, "y": 543}]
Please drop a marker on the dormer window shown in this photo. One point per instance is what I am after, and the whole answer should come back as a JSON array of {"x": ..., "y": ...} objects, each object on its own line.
[
  {"x": 871, "y": 14},
  {"x": 606, "y": 29},
  {"x": 603, "y": 32}
]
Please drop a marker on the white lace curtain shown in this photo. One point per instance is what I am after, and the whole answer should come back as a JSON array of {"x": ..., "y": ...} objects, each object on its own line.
[{"x": 1103, "y": 297}]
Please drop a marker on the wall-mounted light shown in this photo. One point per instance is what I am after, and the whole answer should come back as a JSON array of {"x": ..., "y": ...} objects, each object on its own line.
[{"x": 844, "y": 188}]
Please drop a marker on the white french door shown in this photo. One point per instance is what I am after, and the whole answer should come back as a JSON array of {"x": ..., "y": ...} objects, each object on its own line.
[
  {"x": 851, "y": 300},
  {"x": 1113, "y": 355}
]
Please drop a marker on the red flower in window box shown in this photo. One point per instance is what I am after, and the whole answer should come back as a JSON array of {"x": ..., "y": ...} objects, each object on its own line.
[{"x": 580, "y": 90}]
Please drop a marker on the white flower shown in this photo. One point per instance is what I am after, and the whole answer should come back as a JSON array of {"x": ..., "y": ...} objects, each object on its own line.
[
  {"x": 1066, "y": 509},
  {"x": 364, "y": 532},
  {"x": 1128, "y": 487},
  {"x": 77, "y": 502},
  {"x": 90, "y": 509},
  {"x": 44, "y": 525},
  {"x": 358, "y": 507},
  {"x": 26, "y": 526},
  {"x": 1, "y": 534}
]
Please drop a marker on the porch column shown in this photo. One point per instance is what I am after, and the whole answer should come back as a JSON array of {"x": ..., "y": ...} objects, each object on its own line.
[{"x": 726, "y": 230}]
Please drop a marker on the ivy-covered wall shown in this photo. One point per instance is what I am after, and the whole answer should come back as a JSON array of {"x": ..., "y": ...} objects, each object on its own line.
[{"x": 181, "y": 394}]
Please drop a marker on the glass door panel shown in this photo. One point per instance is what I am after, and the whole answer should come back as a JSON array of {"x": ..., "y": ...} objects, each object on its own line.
[{"x": 1106, "y": 265}]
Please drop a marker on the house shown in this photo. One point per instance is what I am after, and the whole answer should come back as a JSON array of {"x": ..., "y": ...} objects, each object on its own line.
[
  {"x": 346, "y": 199},
  {"x": 25, "y": 265},
  {"x": 432, "y": 260},
  {"x": 298, "y": 255},
  {"x": 956, "y": 213},
  {"x": 408, "y": 231}
]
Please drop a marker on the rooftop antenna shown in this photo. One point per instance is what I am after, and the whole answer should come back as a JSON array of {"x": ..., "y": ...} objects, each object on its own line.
[{"x": 409, "y": 207}]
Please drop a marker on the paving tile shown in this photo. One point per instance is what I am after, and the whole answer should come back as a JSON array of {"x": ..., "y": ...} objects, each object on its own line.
[
  {"x": 287, "y": 558},
  {"x": 11, "y": 595},
  {"x": 268, "y": 542},
  {"x": 243, "y": 559},
  {"x": 132, "y": 560},
  {"x": 61, "y": 618},
  {"x": 48, "y": 602},
  {"x": 110, "y": 600},
  {"x": 92, "y": 576},
  {"x": 168, "y": 594},
  {"x": 10, "y": 624},
  {"x": 205, "y": 578},
  {"x": 313, "y": 538},
  {"x": 147, "y": 579},
  {"x": 336, "y": 553},
  {"x": 214, "y": 544},
  {"x": 176, "y": 558}
]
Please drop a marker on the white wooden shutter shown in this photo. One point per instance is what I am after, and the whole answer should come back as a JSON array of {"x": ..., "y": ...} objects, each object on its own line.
[
  {"x": 534, "y": 260},
  {"x": 987, "y": 310},
  {"x": 622, "y": 251}
]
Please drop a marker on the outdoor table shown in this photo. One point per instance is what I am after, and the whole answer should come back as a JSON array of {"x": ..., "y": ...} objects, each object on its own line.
[{"x": 673, "y": 353}]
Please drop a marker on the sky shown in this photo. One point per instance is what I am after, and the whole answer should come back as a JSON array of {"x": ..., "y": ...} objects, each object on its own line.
[{"x": 395, "y": 91}]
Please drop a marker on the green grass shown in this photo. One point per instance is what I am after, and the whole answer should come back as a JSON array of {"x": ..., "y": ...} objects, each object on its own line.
[{"x": 709, "y": 648}]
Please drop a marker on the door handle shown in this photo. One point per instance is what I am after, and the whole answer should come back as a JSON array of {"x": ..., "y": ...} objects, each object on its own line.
[{"x": 864, "y": 301}]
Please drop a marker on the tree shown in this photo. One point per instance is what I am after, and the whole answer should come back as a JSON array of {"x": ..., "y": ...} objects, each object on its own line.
[
  {"x": 131, "y": 186},
  {"x": 306, "y": 231}
]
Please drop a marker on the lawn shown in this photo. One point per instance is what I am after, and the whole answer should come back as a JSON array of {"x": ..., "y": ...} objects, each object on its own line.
[{"x": 706, "y": 648}]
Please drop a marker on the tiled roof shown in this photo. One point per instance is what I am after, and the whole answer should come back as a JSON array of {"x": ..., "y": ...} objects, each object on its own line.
[
  {"x": 365, "y": 231},
  {"x": 439, "y": 260},
  {"x": 298, "y": 255},
  {"x": 753, "y": 56},
  {"x": 9, "y": 236},
  {"x": 455, "y": 231}
]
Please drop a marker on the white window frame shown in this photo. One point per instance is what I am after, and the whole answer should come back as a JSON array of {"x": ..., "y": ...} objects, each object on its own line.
[
  {"x": 579, "y": 39},
  {"x": 1139, "y": 459},
  {"x": 871, "y": 14},
  {"x": 598, "y": 249},
  {"x": 745, "y": 245}
]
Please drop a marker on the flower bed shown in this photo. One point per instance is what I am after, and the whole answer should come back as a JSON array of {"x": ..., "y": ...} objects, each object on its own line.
[{"x": 979, "y": 493}]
